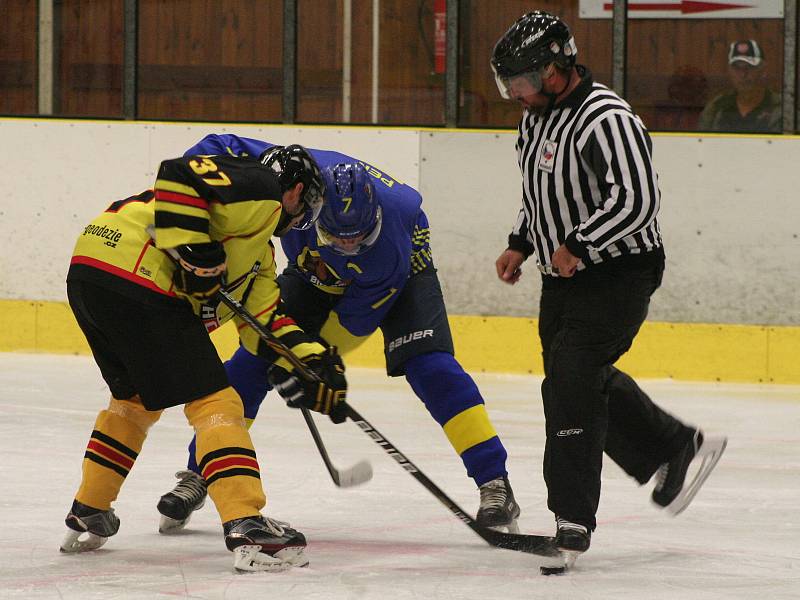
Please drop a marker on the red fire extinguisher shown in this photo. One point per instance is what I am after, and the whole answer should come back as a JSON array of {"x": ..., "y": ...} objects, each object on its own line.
[{"x": 439, "y": 34}]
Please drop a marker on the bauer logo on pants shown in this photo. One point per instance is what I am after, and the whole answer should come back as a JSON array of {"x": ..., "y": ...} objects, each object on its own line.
[{"x": 411, "y": 337}]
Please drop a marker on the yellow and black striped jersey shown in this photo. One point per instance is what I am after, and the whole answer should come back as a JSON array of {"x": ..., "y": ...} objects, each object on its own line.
[{"x": 196, "y": 199}]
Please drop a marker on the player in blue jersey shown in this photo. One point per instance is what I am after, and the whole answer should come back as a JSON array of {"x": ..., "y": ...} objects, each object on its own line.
[{"x": 366, "y": 265}]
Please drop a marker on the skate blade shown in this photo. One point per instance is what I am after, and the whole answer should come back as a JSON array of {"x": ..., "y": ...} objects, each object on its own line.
[
  {"x": 73, "y": 544},
  {"x": 249, "y": 558},
  {"x": 168, "y": 525},
  {"x": 560, "y": 565},
  {"x": 512, "y": 527},
  {"x": 710, "y": 452}
]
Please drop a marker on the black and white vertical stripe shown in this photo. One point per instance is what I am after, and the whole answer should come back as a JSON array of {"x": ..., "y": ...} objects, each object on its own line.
[{"x": 602, "y": 182}]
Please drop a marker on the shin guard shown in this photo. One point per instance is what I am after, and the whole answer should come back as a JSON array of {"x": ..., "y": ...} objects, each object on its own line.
[
  {"x": 453, "y": 400},
  {"x": 226, "y": 458},
  {"x": 118, "y": 435}
]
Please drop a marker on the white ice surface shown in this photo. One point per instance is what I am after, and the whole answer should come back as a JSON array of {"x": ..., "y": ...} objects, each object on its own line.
[{"x": 391, "y": 539}]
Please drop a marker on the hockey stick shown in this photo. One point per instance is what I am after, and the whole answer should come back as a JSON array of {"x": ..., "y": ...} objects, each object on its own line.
[
  {"x": 532, "y": 544},
  {"x": 359, "y": 473},
  {"x": 541, "y": 545}
]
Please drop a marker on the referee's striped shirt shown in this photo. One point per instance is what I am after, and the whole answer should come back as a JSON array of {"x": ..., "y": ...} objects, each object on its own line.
[{"x": 588, "y": 179}]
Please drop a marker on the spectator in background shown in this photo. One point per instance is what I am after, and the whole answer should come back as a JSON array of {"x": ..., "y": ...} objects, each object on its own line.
[{"x": 751, "y": 107}]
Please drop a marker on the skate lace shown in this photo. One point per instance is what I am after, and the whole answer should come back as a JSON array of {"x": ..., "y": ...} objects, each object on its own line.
[
  {"x": 275, "y": 527},
  {"x": 563, "y": 524},
  {"x": 191, "y": 486},
  {"x": 493, "y": 494}
]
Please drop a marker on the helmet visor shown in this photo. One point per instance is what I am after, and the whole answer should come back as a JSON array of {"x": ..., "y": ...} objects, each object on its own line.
[
  {"x": 519, "y": 85},
  {"x": 313, "y": 201},
  {"x": 354, "y": 246}
]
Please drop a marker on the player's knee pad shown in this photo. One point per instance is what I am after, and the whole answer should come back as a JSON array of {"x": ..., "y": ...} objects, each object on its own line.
[
  {"x": 222, "y": 408},
  {"x": 132, "y": 409},
  {"x": 223, "y": 446},
  {"x": 432, "y": 370}
]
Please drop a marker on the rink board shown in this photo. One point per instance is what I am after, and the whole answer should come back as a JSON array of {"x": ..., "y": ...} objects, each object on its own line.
[{"x": 687, "y": 351}]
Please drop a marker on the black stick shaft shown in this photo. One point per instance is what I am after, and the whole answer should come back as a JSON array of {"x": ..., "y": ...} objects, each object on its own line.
[
  {"x": 283, "y": 350},
  {"x": 533, "y": 544}
]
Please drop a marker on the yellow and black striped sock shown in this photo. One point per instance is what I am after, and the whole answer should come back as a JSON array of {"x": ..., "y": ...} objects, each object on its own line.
[
  {"x": 118, "y": 435},
  {"x": 225, "y": 454}
]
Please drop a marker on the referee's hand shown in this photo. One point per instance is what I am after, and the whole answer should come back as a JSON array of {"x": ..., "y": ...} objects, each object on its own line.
[
  {"x": 508, "y": 266},
  {"x": 564, "y": 262}
]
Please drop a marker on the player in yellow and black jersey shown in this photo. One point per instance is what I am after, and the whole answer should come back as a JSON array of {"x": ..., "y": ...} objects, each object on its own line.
[{"x": 142, "y": 284}]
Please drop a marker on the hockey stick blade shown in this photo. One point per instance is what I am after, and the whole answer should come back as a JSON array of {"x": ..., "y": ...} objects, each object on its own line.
[
  {"x": 541, "y": 545},
  {"x": 355, "y": 475},
  {"x": 359, "y": 473}
]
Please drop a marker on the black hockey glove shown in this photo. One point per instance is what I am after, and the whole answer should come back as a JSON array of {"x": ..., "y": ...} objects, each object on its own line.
[
  {"x": 326, "y": 396},
  {"x": 201, "y": 270}
]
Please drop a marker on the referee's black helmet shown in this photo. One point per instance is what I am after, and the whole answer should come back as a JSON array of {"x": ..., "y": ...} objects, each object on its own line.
[{"x": 534, "y": 41}]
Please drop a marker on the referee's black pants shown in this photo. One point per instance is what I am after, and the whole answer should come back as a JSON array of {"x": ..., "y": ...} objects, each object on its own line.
[{"x": 586, "y": 323}]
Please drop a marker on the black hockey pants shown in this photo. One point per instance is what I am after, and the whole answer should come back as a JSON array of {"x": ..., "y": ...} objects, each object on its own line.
[{"x": 585, "y": 324}]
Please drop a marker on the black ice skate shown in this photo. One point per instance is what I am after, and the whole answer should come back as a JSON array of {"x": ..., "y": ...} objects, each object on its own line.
[
  {"x": 498, "y": 509},
  {"x": 176, "y": 507},
  {"x": 572, "y": 539},
  {"x": 264, "y": 544},
  {"x": 671, "y": 491},
  {"x": 98, "y": 525}
]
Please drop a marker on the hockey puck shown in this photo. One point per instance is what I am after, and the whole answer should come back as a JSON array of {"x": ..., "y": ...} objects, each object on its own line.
[{"x": 552, "y": 570}]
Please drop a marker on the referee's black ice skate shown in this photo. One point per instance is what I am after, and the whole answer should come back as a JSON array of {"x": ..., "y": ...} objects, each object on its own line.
[
  {"x": 98, "y": 525},
  {"x": 176, "y": 507},
  {"x": 671, "y": 491},
  {"x": 263, "y": 544},
  {"x": 572, "y": 539},
  {"x": 498, "y": 509}
]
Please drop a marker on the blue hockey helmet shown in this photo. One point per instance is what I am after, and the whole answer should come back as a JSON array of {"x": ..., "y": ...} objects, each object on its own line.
[
  {"x": 292, "y": 165},
  {"x": 351, "y": 218}
]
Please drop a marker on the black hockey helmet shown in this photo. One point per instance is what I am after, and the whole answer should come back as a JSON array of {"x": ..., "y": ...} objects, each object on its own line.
[
  {"x": 294, "y": 164},
  {"x": 534, "y": 41}
]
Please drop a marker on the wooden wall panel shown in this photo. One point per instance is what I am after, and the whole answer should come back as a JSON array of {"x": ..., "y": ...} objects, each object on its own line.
[
  {"x": 222, "y": 61},
  {"x": 361, "y": 84},
  {"x": 210, "y": 60},
  {"x": 319, "y": 61},
  {"x": 88, "y": 44},
  {"x": 408, "y": 91},
  {"x": 18, "y": 57}
]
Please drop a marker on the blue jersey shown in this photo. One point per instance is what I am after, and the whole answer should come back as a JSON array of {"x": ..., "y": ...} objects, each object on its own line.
[{"x": 368, "y": 283}]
